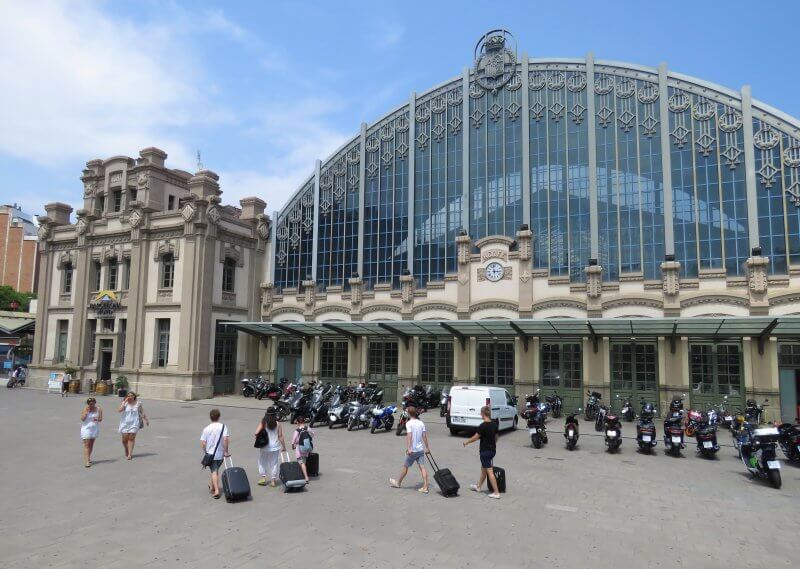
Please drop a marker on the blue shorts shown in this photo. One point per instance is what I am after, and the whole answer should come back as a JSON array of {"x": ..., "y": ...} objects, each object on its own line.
[
  {"x": 414, "y": 457},
  {"x": 215, "y": 465},
  {"x": 486, "y": 458}
]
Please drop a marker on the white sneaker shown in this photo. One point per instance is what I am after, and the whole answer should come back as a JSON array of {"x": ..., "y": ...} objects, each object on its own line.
[
  {"x": 495, "y": 496},
  {"x": 474, "y": 488}
]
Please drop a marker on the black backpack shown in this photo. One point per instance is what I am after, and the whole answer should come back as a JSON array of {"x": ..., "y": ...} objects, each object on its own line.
[{"x": 304, "y": 442}]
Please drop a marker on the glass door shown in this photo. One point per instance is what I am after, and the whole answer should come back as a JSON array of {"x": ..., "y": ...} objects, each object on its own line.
[
  {"x": 562, "y": 372},
  {"x": 634, "y": 374},
  {"x": 496, "y": 364}
]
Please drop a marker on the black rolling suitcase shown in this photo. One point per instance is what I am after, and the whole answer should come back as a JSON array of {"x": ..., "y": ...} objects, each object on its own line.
[
  {"x": 444, "y": 478},
  {"x": 235, "y": 485},
  {"x": 291, "y": 475},
  {"x": 500, "y": 476},
  {"x": 312, "y": 464}
]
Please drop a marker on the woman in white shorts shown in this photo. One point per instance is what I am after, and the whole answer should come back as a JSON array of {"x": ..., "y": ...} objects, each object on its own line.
[
  {"x": 131, "y": 420},
  {"x": 91, "y": 416}
]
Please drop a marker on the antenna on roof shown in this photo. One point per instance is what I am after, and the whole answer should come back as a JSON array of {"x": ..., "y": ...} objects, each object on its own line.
[{"x": 199, "y": 163}]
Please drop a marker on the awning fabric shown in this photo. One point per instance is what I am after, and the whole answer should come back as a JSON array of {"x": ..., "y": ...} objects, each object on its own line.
[{"x": 631, "y": 328}]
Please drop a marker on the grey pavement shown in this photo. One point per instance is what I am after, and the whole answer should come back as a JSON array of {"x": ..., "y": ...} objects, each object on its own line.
[{"x": 577, "y": 509}]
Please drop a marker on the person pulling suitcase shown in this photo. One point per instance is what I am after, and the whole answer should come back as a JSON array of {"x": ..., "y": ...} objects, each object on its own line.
[
  {"x": 416, "y": 447},
  {"x": 214, "y": 441},
  {"x": 487, "y": 433}
]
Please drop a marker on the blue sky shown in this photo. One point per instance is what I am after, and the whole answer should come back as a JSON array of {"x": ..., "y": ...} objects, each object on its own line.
[{"x": 262, "y": 89}]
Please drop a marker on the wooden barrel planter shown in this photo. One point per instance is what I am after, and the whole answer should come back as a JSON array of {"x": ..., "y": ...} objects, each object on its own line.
[
  {"x": 75, "y": 386},
  {"x": 101, "y": 388}
]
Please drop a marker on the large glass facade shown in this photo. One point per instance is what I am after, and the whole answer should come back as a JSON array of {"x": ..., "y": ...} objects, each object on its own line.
[{"x": 396, "y": 197}]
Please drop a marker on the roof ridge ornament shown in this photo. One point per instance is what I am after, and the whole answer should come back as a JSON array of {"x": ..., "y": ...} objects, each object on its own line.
[{"x": 495, "y": 59}]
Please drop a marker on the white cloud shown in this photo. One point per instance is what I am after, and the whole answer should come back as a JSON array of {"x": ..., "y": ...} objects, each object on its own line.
[
  {"x": 386, "y": 35},
  {"x": 81, "y": 85}
]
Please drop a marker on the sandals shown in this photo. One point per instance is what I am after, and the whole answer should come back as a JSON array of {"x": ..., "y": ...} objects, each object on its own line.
[
  {"x": 423, "y": 490},
  {"x": 262, "y": 482},
  {"x": 393, "y": 483}
]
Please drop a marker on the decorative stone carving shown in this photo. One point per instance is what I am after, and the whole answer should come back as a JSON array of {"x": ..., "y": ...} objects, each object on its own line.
[
  {"x": 525, "y": 276},
  {"x": 670, "y": 278},
  {"x": 263, "y": 226},
  {"x": 65, "y": 258},
  {"x": 757, "y": 274},
  {"x": 356, "y": 290},
  {"x": 463, "y": 246},
  {"x": 233, "y": 252},
  {"x": 309, "y": 293},
  {"x": 494, "y": 254},
  {"x": 594, "y": 281},
  {"x": 524, "y": 246},
  {"x": 164, "y": 247},
  {"x": 188, "y": 211},
  {"x": 407, "y": 288},
  {"x": 44, "y": 231},
  {"x": 115, "y": 179},
  {"x": 135, "y": 218},
  {"x": 213, "y": 214},
  {"x": 143, "y": 180},
  {"x": 267, "y": 296},
  {"x": 89, "y": 188},
  {"x": 81, "y": 226}
]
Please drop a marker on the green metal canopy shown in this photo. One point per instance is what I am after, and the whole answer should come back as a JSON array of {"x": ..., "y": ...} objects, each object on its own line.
[{"x": 759, "y": 327}]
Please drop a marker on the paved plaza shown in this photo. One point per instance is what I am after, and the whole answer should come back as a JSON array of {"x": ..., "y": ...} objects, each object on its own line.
[{"x": 563, "y": 509}]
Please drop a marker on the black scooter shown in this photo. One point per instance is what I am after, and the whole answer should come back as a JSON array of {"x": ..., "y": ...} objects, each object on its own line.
[
  {"x": 592, "y": 405},
  {"x": 758, "y": 454},
  {"x": 572, "y": 430},
  {"x": 556, "y": 403},
  {"x": 646, "y": 428},
  {"x": 613, "y": 432}
]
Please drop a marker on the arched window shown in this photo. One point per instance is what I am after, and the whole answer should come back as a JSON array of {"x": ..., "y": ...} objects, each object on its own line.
[
  {"x": 229, "y": 275},
  {"x": 167, "y": 270}
]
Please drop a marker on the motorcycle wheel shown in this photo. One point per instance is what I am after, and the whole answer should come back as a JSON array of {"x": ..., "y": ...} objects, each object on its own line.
[
  {"x": 536, "y": 441},
  {"x": 644, "y": 447},
  {"x": 571, "y": 444},
  {"x": 349, "y": 425},
  {"x": 598, "y": 427},
  {"x": 774, "y": 477},
  {"x": 441, "y": 412},
  {"x": 330, "y": 425},
  {"x": 453, "y": 431},
  {"x": 675, "y": 450},
  {"x": 400, "y": 428},
  {"x": 557, "y": 413},
  {"x": 588, "y": 416}
]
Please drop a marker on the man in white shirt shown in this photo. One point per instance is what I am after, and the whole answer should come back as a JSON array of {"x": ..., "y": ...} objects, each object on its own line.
[
  {"x": 211, "y": 443},
  {"x": 416, "y": 447}
]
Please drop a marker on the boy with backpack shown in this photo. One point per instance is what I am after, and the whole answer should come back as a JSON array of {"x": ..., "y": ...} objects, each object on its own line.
[{"x": 303, "y": 444}]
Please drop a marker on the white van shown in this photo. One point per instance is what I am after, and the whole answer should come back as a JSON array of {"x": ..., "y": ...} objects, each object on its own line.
[{"x": 464, "y": 411}]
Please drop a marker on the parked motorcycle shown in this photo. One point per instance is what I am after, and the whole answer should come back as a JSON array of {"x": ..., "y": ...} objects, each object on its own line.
[
  {"x": 673, "y": 435},
  {"x": 706, "y": 436},
  {"x": 444, "y": 401},
  {"x": 646, "y": 428},
  {"x": 789, "y": 439},
  {"x": 412, "y": 397},
  {"x": 382, "y": 418},
  {"x": 592, "y": 405},
  {"x": 600, "y": 419},
  {"x": 556, "y": 403},
  {"x": 251, "y": 385},
  {"x": 694, "y": 418},
  {"x": 571, "y": 429},
  {"x": 19, "y": 380},
  {"x": 613, "y": 432},
  {"x": 627, "y": 412},
  {"x": 301, "y": 406},
  {"x": 319, "y": 404},
  {"x": 339, "y": 410},
  {"x": 360, "y": 416},
  {"x": 535, "y": 414},
  {"x": 758, "y": 454},
  {"x": 753, "y": 412}
]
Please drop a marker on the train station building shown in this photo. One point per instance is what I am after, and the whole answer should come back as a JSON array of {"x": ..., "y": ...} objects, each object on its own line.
[{"x": 567, "y": 224}]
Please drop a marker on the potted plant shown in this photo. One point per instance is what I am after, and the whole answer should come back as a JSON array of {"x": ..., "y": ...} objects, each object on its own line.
[
  {"x": 121, "y": 383},
  {"x": 74, "y": 384}
]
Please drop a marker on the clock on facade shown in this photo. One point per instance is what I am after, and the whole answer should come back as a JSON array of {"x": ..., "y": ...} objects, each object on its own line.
[{"x": 494, "y": 272}]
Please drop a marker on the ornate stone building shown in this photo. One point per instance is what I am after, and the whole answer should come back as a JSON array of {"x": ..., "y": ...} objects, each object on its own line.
[
  {"x": 142, "y": 283},
  {"x": 567, "y": 224}
]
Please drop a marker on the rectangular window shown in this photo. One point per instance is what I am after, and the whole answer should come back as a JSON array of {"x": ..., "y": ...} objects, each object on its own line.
[
  {"x": 66, "y": 280},
  {"x": 290, "y": 349},
  {"x": 96, "y": 272},
  {"x": 123, "y": 328},
  {"x": 634, "y": 367},
  {"x": 496, "y": 363},
  {"x": 62, "y": 334},
  {"x": 113, "y": 271},
  {"x": 715, "y": 369},
  {"x": 333, "y": 360},
  {"x": 229, "y": 275},
  {"x": 101, "y": 204},
  {"x": 116, "y": 196},
  {"x": 133, "y": 194},
  {"x": 789, "y": 355},
  {"x": 108, "y": 324},
  {"x": 167, "y": 271},
  {"x": 126, "y": 275},
  {"x": 171, "y": 203},
  {"x": 436, "y": 362},
  {"x": 92, "y": 334},
  {"x": 382, "y": 360},
  {"x": 162, "y": 347},
  {"x": 562, "y": 365}
]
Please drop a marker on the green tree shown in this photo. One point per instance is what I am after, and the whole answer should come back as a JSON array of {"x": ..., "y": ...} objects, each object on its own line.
[{"x": 8, "y": 296}]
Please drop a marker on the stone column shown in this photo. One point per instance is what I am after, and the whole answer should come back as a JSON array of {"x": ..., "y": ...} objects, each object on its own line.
[
  {"x": 355, "y": 371},
  {"x": 309, "y": 364},
  {"x": 406, "y": 375}
]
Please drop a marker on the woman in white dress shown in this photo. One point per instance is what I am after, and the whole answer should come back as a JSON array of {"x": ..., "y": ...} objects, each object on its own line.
[
  {"x": 91, "y": 416},
  {"x": 131, "y": 420},
  {"x": 269, "y": 457}
]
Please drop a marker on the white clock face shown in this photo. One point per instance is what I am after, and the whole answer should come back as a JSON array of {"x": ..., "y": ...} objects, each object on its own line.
[{"x": 494, "y": 272}]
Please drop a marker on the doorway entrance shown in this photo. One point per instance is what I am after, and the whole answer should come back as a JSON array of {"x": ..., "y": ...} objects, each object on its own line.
[
  {"x": 106, "y": 357},
  {"x": 789, "y": 379},
  {"x": 634, "y": 374},
  {"x": 562, "y": 372},
  {"x": 496, "y": 364},
  {"x": 290, "y": 356},
  {"x": 716, "y": 371},
  {"x": 382, "y": 362},
  {"x": 225, "y": 341}
]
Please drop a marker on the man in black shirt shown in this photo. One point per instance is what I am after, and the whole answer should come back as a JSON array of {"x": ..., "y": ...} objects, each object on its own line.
[{"x": 487, "y": 433}]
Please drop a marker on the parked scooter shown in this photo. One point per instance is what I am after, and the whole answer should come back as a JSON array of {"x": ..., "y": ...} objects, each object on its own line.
[
  {"x": 361, "y": 416},
  {"x": 319, "y": 404},
  {"x": 706, "y": 436},
  {"x": 628, "y": 413},
  {"x": 613, "y": 432},
  {"x": 444, "y": 401},
  {"x": 535, "y": 413},
  {"x": 646, "y": 428},
  {"x": 555, "y": 403},
  {"x": 382, "y": 418},
  {"x": 251, "y": 385},
  {"x": 673, "y": 435},
  {"x": 571, "y": 429},
  {"x": 758, "y": 454},
  {"x": 789, "y": 439},
  {"x": 592, "y": 405},
  {"x": 339, "y": 410},
  {"x": 600, "y": 419}
]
